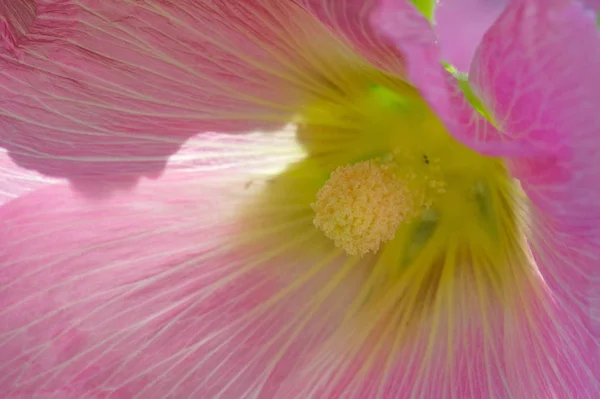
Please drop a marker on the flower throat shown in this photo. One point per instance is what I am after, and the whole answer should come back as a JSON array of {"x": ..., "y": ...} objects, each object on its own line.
[{"x": 400, "y": 164}]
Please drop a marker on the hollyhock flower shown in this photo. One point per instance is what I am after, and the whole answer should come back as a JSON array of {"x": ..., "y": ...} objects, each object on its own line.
[{"x": 373, "y": 236}]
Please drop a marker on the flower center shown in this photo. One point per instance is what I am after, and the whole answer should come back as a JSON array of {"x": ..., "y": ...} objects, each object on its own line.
[
  {"x": 381, "y": 174},
  {"x": 392, "y": 159},
  {"x": 361, "y": 205}
]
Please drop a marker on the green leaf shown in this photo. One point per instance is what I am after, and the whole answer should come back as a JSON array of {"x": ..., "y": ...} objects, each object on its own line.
[{"x": 426, "y": 7}]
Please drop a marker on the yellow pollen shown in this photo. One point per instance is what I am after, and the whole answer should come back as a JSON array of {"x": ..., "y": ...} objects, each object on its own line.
[{"x": 362, "y": 205}]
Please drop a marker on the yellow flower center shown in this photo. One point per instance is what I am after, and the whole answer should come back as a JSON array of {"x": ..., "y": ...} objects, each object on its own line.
[
  {"x": 434, "y": 230},
  {"x": 383, "y": 179},
  {"x": 361, "y": 205}
]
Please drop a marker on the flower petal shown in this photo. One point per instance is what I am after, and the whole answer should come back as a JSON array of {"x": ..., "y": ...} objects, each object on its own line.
[
  {"x": 412, "y": 34},
  {"x": 460, "y": 25},
  {"x": 16, "y": 17},
  {"x": 350, "y": 19},
  {"x": 593, "y": 4},
  {"x": 15, "y": 181},
  {"x": 542, "y": 90},
  {"x": 534, "y": 347},
  {"x": 556, "y": 347},
  {"x": 147, "y": 295},
  {"x": 103, "y": 89},
  {"x": 474, "y": 370}
]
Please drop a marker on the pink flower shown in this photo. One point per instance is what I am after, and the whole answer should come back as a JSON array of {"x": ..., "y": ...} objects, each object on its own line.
[{"x": 335, "y": 220}]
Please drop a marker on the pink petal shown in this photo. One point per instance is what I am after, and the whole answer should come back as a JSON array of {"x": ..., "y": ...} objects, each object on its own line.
[
  {"x": 543, "y": 90},
  {"x": 593, "y": 4},
  {"x": 474, "y": 370},
  {"x": 555, "y": 349},
  {"x": 460, "y": 25},
  {"x": 349, "y": 19},
  {"x": 535, "y": 344},
  {"x": 15, "y": 181},
  {"x": 411, "y": 33},
  {"x": 531, "y": 347},
  {"x": 16, "y": 17},
  {"x": 146, "y": 295},
  {"x": 100, "y": 89}
]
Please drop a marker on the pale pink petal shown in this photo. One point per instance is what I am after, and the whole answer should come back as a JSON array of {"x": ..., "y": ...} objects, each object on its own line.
[
  {"x": 99, "y": 89},
  {"x": 460, "y": 25},
  {"x": 147, "y": 295}
]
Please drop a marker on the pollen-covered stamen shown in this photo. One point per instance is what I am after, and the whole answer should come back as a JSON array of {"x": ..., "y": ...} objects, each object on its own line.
[{"x": 362, "y": 205}]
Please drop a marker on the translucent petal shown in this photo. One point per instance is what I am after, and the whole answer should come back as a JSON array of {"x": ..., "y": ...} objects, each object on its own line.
[
  {"x": 15, "y": 181},
  {"x": 158, "y": 293},
  {"x": 350, "y": 19},
  {"x": 103, "y": 92}
]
